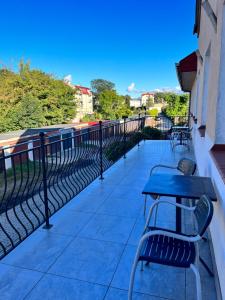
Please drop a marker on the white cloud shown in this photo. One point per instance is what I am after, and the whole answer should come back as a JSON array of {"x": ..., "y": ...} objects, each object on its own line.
[
  {"x": 68, "y": 78},
  {"x": 157, "y": 90},
  {"x": 176, "y": 90},
  {"x": 131, "y": 87}
]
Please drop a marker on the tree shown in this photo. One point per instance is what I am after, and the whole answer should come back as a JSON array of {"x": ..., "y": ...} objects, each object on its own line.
[
  {"x": 32, "y": 98},
  {"x": 159, "y": 97},
  {"x": 112, "y": 106},
  {"x": 149, "y": 102},
  {"x": 153, "y": 112},
  {"x": 176, "y": 105},
  {"x": 127, "y": 100},
  {"x": 100, "y": 85}
]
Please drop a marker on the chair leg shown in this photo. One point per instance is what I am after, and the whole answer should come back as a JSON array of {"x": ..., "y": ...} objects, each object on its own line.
[
  {"x": 198, "y": 281},
  {"x": 131, "y": 284}
]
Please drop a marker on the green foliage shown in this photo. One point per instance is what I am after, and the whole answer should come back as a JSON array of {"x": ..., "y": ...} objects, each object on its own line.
[
  {"x": 32, "y": 98},
  {"x": 100, "y": 85},
  {"x": 159, "y": 97},
  {"x": 112, "y": 106},
  {"x": 149, "y": 102},
  {"x": 176, "y": 105},
  {"x": 117, "y": 149},
  {"x": 153, "y": 112},
  {"x": 151, "y": 133},
  {"x": 127, "y": 100},
  {"x": 94, "y": 117},
  {"x": 114, "y": 151}
]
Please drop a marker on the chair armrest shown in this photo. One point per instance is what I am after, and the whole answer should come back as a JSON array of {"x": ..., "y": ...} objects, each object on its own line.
[
  {"x": 193, "y": 239},
  {"x": 155, "y": 204},
  {"x": 161, "y": 166}
]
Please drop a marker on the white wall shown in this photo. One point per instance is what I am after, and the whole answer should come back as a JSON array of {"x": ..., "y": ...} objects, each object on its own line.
[
  {"x": 206, "y": 167},
  {"x": 220, "y": 113}
]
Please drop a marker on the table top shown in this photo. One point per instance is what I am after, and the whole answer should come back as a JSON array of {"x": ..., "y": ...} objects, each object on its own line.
[{"x": 179, "y": 186}]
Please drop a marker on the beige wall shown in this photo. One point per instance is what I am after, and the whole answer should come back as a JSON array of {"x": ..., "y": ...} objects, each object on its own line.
[
  {"x": 212, "y": 45},
  {"x": 84, "y": 104},
  {"x": 135, "y": 103},
  {"x": 144, "y": 99},
  {"x": 210, "y": 38}
]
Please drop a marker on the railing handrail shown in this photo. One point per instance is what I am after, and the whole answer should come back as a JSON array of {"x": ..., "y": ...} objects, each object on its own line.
[{"x": 49, "y": 135}]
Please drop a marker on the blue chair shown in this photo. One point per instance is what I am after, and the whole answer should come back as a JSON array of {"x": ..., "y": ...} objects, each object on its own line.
[{"x": 167, "y": 247}]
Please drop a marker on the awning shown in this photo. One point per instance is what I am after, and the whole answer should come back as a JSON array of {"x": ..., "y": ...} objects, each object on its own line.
[{"x": 186, "y": 71}]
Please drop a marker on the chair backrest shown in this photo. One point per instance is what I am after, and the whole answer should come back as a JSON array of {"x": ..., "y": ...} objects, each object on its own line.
[
  {"x": 186, "y": 166},
  {"x": 203, "y": 213}
]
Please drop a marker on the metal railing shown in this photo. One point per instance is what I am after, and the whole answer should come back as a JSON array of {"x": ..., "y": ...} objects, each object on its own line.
[
  {"x": 39, "y": 177},
  {"x": 164, "y": 123}
]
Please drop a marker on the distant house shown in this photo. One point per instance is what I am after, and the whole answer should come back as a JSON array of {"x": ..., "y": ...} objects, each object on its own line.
[
  {"x": 84, "y": 100},
  {"x": 145, "y": 97},
  {"x": 136, "y": 103}
]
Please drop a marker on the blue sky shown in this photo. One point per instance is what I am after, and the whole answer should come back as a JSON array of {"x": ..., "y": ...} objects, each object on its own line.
[{"x": 136, "y": 41}]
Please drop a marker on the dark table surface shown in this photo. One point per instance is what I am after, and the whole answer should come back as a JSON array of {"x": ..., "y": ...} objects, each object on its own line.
[{"x": 179, "y": 186}]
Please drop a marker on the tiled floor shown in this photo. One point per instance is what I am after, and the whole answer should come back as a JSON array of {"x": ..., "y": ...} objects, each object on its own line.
[{"x": 88, "y": 252}]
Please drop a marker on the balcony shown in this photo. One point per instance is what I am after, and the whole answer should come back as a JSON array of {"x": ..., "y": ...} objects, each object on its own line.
[{"x": 88, "y": 252}]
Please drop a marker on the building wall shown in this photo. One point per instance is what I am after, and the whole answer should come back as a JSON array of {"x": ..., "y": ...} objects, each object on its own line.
[
  {"x": 207, "y": 167},
  {"x": 84, "y": 104},
  {"x": 135, "y": 103},
  {"x": 213, "y": 4},
  {"x": 208, "y": 105},
  {"x": 210, "y": 38},
  {"x": 144, "y": 99}
]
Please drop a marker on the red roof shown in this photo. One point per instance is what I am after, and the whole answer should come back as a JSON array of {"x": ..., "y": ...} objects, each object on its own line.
[
  {"x": 189, "y": 63},
  {"x": 83, "y": 90},
  {"x": 186, "y": 71}
]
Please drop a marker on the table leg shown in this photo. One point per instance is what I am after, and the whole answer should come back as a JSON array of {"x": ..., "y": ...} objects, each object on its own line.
[{"x": 178, "y": 216}]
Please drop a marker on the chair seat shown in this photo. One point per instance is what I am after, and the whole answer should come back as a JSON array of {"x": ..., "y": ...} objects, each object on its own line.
[{"x": 168, "y": 251}]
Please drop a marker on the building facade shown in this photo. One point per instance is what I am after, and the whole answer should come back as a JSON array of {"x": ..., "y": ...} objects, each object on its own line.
[
  {"x": 145, "y": 97},
  {"x": 202, "y": 73},
  {"x": 136, "y": 103},
  {"x": 84, "y": 100}
]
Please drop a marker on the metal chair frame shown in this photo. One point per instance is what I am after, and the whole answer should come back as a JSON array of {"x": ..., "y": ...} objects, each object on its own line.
[
  {"x": 180, "y": 138},
  {"x": 191, "y": 239},
  {"x": 168, "y": 167}
]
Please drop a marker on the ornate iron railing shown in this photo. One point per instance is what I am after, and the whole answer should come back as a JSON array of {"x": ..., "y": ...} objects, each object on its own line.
[
  {"x": 164, "y": 124},
  {"x": 39, "y": 177}
]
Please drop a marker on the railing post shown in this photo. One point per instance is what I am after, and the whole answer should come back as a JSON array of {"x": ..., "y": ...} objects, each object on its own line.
[
  {"x": 124, "y": 136},
  {"x": 44, "y": 178},
  {"x": 139, "y": 126},
  {"x": 143, "y": 124},
  {"x": 100, "y": 152}
]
